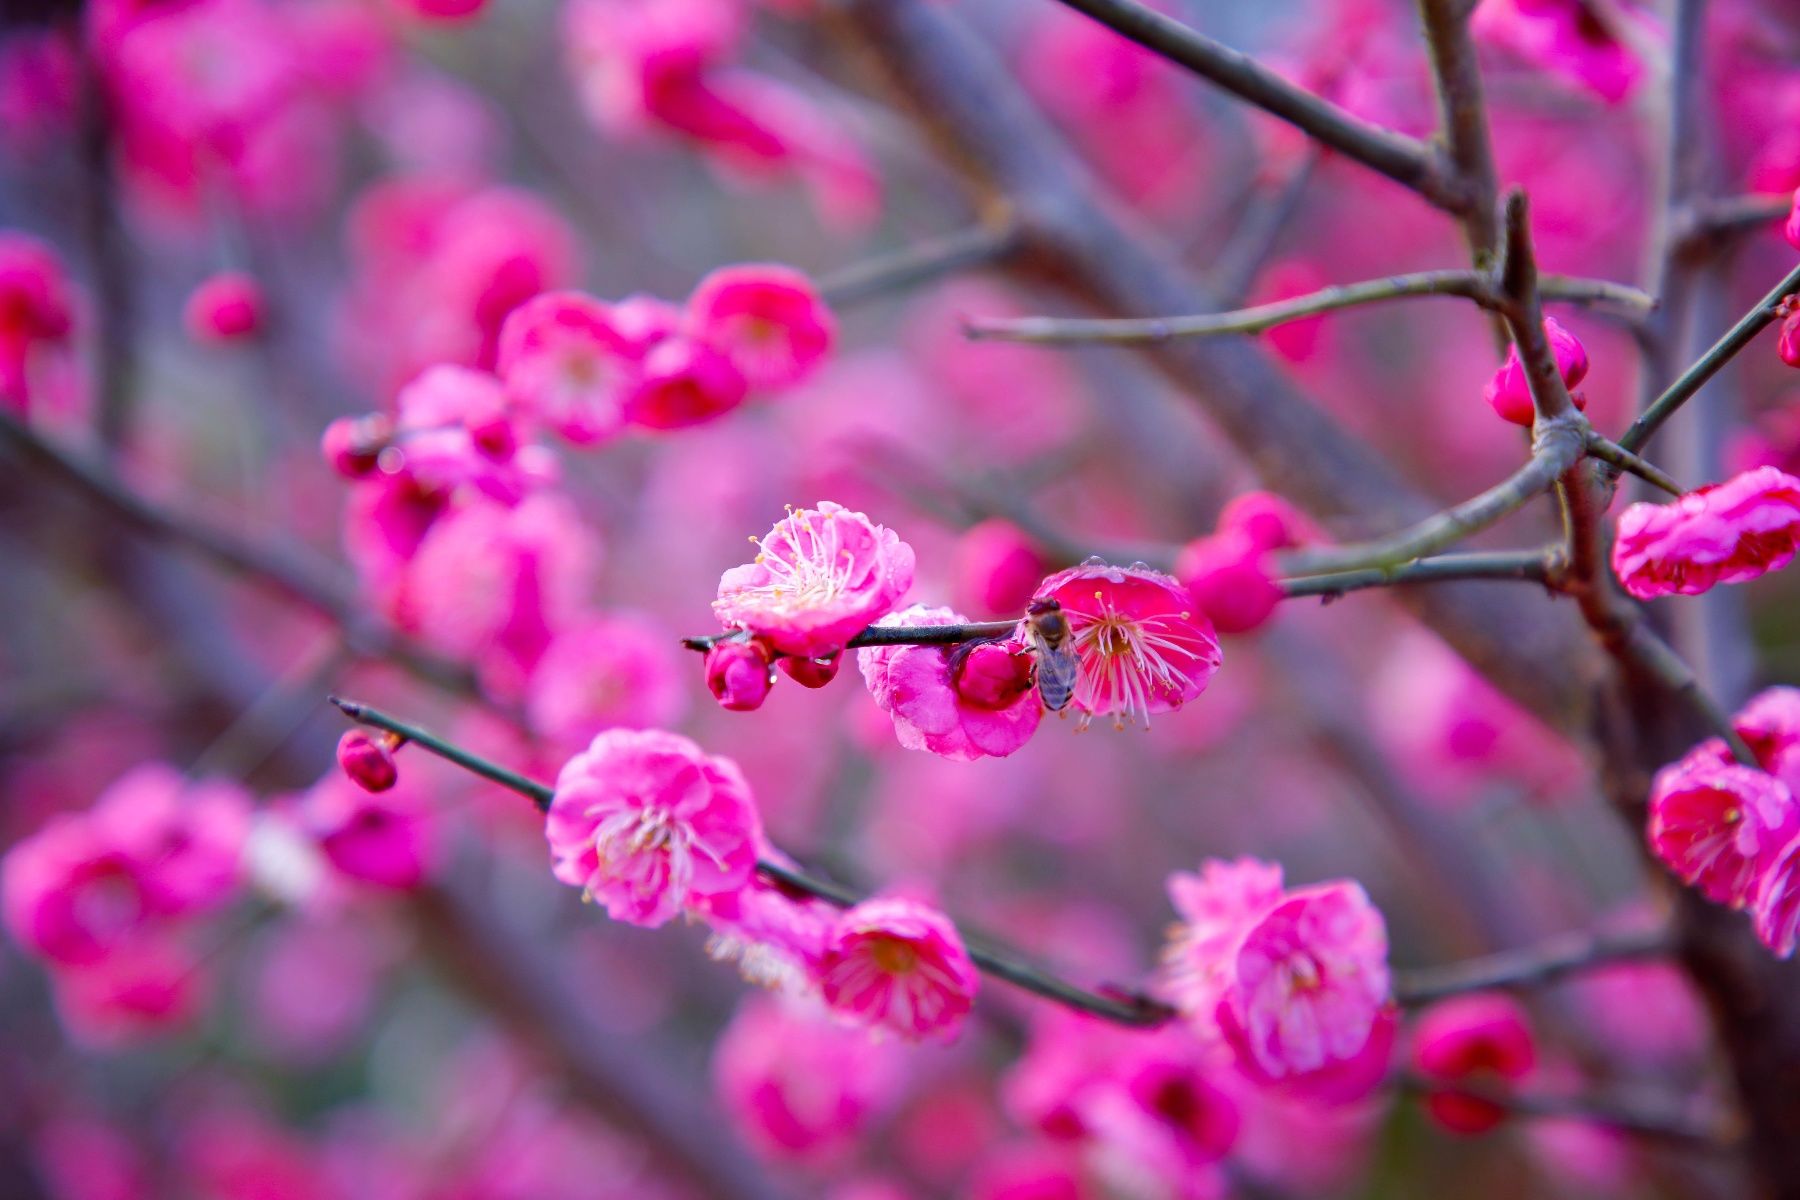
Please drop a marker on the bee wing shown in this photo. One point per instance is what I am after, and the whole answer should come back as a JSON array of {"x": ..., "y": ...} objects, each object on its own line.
[{"x": 1058, "y": 670}]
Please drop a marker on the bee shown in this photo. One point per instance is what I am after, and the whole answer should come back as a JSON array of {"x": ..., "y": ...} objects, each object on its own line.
[{"x": 1057, "y": 667}]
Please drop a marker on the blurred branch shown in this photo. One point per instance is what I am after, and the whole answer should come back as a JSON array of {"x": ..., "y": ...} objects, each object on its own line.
[
  {"x": 1760, "y": 316},
  {"x": 115, "y": 310},
  {"x": 1531, "y": 566},
  {"x": 311, "y": 584},
  {"x": 1470, "y": 285},
  {"x": 1400, "y": 158},
  {"x": 1462, "y": 119},
  {"x": 1118, "y": 1006},
  {"x": 1530, "y": 966},
  {"x": 1253, "y": 242},
  {"x": 1703, "y": 224},
  {"x": 977, "y": 246},
  {"x": 1672, "y": 1120}
]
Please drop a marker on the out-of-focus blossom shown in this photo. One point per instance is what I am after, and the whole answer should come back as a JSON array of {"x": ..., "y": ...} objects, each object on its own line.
[
  {"x": 643, "y": 821},
  {"x": 386, "y": 839},
  {"x": 83, "y": 1157},
  {"x": 1232, "y": 578},
  {"x": 739, "y": 673},
  {"x": 1769, "y": 723},
  {"x": 1726, "y": 533},
  {"x": 154, "y": 847},
  {"x": 998, "y": 568},
  {"x": 1510, "y": 394},
  {"x": 1269, "y": 521},
  {"x": 1144, "y": 646},
  {"x": 1787, "y": 338},
  {"x": 820, "y": 576},
  {"x": 226, "y": 307},
  {"x": 961, "y": 702},
  {"x": 685, "y": 382},
  {"x": 1775, "y": 903},
  {"x": 1481, "y": 1040},
  {"x": 1295, "y": 982},
  {"x": 898, "y": 965},
  {"x": 1718, "y": 825},
  {"x": 442, "y": 10},
  {"x": 36, "y": 314},
  {"x": 567, "y": 364},
  {"x": 767, "y": 319},
  {"x": 151, "y": 986},
  {"x": 775, "y": 936},
  {"x": 1565, "y": 38},
  {"x": 799, "y": 1083},
  {"x": 620, "y": 669},
  {"x": 40, "y": 88},
  {"x": 1791, "y": 230}
]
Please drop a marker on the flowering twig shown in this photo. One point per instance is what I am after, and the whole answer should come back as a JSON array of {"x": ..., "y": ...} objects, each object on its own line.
[
  {"x": 1118, "y": 1006},
  {"x": 1708, "y": 365},
  {"x": 889, "y": 635},
  {"x": 1530, "y": 966},
  {"x": 1470, "y": 285},
  {"x": 1667, "y": 1121},
  {"x": 310, "y": 584},
  {"x": 976, "y": 246},
  {"x": 1401, "y": 158},
  {"x": 1615, "y": 455}
]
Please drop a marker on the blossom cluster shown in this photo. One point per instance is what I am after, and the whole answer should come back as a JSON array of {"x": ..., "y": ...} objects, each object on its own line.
[
  {"x": 1728, "y": 532},
  {"x": 1732, "y": 830}
]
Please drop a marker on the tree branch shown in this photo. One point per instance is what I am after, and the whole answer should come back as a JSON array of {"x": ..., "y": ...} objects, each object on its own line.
[
  {"x": 1530, "y": 966},
  {"x": 1664, "y": 1121},
  {"x": 1470, "y": 285},
  {"x": 1400, "y": 158},
  {"x": 977, "y": 246},
  {"x": 1531, "y": 566},
  {"x": 1462, "y": 118},
  {"x": 1618, "y": 457}
]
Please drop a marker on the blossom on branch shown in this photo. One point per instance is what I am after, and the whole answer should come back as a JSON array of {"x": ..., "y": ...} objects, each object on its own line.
[
  {"x": 1509, "y": 392},
  {"x": 1718, "y": 825},
  {"x": 1483, "y": 1040},
  {"x": 898, "y": 965},
  {"x": 820, "y": 576},
  {"x": 963, "y": 702},
  {"x": 1726, "y": 533},
  {"x": 644, "y": 823}
]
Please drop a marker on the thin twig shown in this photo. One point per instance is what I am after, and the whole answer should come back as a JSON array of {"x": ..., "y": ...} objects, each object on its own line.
[
  {"x": 1462, "y": 119},
  {"x": 1400, "y": 158},
  {"x": 1470, "y": 285},
  {"x": 1527, "y": 565},
  {"x": 1707, "y": 222},
  {"x": 1708, "y": 365},
  {"x": 1120, "y": 1007},
  {"x": 978, "y": 246},
  {"x": 1529, "y": 966},
  {"x": 1615, "y": 455},
  {"x": 890, "y": 635},
  {"x": 1667, "y": 1121}
]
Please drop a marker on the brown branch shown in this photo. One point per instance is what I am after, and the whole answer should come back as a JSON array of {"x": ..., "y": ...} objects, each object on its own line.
[
  {"x": 1530, "y": 966},
  {"x": 1462, "y": 119}
]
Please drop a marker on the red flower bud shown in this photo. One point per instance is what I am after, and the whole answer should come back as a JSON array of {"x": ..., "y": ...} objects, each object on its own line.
[
  {"x": 1228, "y": 575},
  {"x": 738, "y": 673},
  {"x": 353, "y": 445},
  {"x": 811, "y": 672},
  {"x": 992, "y": 675},
  {"x": 368, "y": 760}
]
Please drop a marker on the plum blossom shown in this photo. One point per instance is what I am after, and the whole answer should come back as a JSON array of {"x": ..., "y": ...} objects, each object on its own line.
[
  {"x": 1510, "y": 394},
  {"x": 1144, "y": 646},
  {"x": 1725, "y": 533},
  {"x": 799, "y": 1084},
  {"x": 767, "y": 319},
  {"x": 1791, "y": 230},
  {"x": 226, "y": 307},
  {"x": 1718, "y": 825},
  {"x": 1787, "y": 338},
  {"x": 1269, "y": 521},
  {"x": 998, "y": 567},
  {"x": 739, "y": 674},
  {"x": 774, "y": 934},
  {"x": 964, "y": 703},
  {"x": 620, "y": 669},
  {"x": 898, "y": 965},
  {"x": 566, "y": 362},
  {"x": 644, "y": 823},
  {"x": 1232, "y": 578},
  {"x": 36, "y": 313},
  {"x": 154, "y": 847},
  {"x": 684, "y": 382},
  {"x": 820, "y": 577},
  {"x": 1294, "y": 982},
  {"x": 1775, "y": 904},
  {"x": 1564, "y": 37},
  {"x": 1479, "y": 1039},
  {"x": 384, "y": 839},
  {"x": 1770, "y": 725}
]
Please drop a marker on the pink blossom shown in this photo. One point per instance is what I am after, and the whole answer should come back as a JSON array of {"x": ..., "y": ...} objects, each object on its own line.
[
  {"x": 386, "y": 839},
  {"x": 1268, "y": 520},
  {"x": 616, "y": 670},
  {"x": 1787, "y": 338},
  {"x": 1144, "y": 646},
  {"x": 153, "y": 847},
  {"x": 1510, "y": 394},
  {"x": 1770, "y": 725},
  {"x": 961, "y": 702},
  {"x": 767, "y": 319},
  {"x": 226, "y": 307},
  {"x": 1791, "y": 230},
  {"x": 36, "y": 313},
  {"x": 644, "y": 822},
  {"x": 353, "y": 445},
  {"x": 367, "y": 761},
  {"x": 454, "y": 430},
  {"x": 1232, "y": 579},
  {"x": 821, "y": 576},
  {"x": 40, "y": 88},
  {"x": 566, "y": 362},
  {"x": 898, "y": 965},
  {"x": 147, "y": 988},
  {"x": 799, "y": 1084},
  {"x": 739, "y": 673},
  {"x": 1775, "y": 902},
  {"x": 82, "y": 1157},
  {"x": 1725, "y": 533},
  {"x": 1295, "y": 982},
  {"x": 1718, "y": 825},
  {"x": 1563, "y": 37},
  {"x": 1481, "y": 1040},
  {"x": 685, "y": 382},
  {"x": 443, "y": 10},
  {"x": 775, "y": 935},
  {"x": 998, "y": 567}
]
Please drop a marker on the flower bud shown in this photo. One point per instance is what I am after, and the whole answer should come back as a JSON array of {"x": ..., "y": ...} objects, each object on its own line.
[
  {"x": 368, "y": 760},
  {"x": 738, "y": 673},
  {"x": 1269, "y": 521},
  {"x": 992, "y": 674},
  {"x": 353, "y": 445},
  {"x": 811, "y": 672},
  {"x": 226, "y": 307},
  {"x": 1510, "y": 394},
  {"x": 1228, "y": 576}
]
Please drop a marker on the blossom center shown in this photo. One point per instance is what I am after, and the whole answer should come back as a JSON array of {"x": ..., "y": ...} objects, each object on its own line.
[{"x": 893, "y": 955}]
